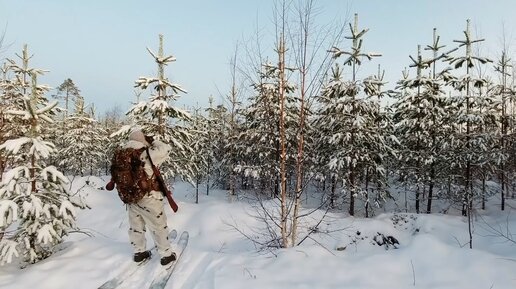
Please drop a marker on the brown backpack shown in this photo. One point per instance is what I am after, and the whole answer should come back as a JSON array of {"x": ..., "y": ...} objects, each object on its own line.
[{"x": 127, "y": 172}]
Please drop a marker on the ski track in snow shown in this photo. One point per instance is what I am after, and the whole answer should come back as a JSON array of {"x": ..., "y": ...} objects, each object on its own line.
[
  {"x": 141, "y": 278},
  {"x": 197, "y": 272}
]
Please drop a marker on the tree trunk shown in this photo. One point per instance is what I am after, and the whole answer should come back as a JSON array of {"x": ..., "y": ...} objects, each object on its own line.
[
  {"x": 352, "y": 192},
  {"x": 430, "y": 195},
  {"x": 197, "y": 189},
  {"x": 283, "y": 158},
  {"x": 332, "y": 193},
  {"x": 367, "y": 195},
  {"x": 417, "y": 199}
]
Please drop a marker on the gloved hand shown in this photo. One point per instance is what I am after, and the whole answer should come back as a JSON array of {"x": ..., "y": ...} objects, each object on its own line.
[{"x": 110, "y": 186}]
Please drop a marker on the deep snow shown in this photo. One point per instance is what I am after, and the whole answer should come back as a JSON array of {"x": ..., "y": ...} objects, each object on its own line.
[{"x": 433, "y": 250}]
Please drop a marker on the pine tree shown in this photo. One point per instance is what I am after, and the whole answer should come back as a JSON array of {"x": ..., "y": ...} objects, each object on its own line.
[
  {"x": 421, "y": 121},
  {"x": 67, "y": 91},
  {"x": 353, "y": 147},
  {"x": 505, "y": 97},
  {"x": 261, "y": 131},
  {"x": 326, "y": 125},
  {"x": 232, "y": 130},
  {"x": 85, "y": 142},
  {"x": 157, "y": 116},
  {"x": 201, "y": 149},
  {"x": 376, "y": 173},
  {"x": 469, "y": 118},
  {"x": 6, "y": 124},
  {"x": 218, "y": 158},
  {"x": 111, "y": 123},
  {"x": 349, "y": 115},
  {"x": 35, "y": 204}
]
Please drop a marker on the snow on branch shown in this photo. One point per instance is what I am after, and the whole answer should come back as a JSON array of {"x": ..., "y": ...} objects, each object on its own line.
[
  {"x": 137, "y": 109},
  {"x": 8, "y": 250},
  {"x": 47, "y": 234},
  {"x": 8, "y": 213},
  {"x": 34, "y": 207},
  {"x": 161, "y": 84},
  {"x": 174, "y": 86},
  {"x": 41, "y": 148},
  {"x": 144, "y": 82},
  {"x": 67, "y": 210},
  {"x": 124, "y": 130},
  {"x": 162, "y": 60},
  {"x": 14, "y": 145},
  {"x": 54, "y": 174},
  {"x": 10, "y": 178},
  {"x": 46, "y": 109}
]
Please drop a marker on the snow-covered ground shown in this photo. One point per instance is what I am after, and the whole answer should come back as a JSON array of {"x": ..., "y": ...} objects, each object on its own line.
[{"x": 432, "y": 250}]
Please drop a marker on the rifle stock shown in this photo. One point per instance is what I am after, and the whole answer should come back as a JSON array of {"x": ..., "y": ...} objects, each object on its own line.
[
  {"x": 166, "y": 192},
  {"x": 171, "y": 202},
  {"x": 162, "y": 186}
]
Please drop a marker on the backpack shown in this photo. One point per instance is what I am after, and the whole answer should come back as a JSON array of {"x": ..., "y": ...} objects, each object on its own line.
[{"x": 128, "y": 173}]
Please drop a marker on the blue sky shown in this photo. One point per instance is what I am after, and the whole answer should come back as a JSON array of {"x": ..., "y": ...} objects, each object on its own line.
[{"x": 101, "y": 44}]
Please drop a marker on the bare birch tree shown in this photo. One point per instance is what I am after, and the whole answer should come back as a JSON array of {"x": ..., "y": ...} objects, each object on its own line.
[{"x": 307, "y": 42}]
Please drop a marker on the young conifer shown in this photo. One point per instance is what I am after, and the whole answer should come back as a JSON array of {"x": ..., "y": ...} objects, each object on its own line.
[
  {"x": 166, "y": 122},
  {"x": 348, "y": 114},
  {"x": 35, "y": 205}
]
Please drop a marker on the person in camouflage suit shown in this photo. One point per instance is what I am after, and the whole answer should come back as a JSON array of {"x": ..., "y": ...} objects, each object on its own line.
[{"x": 148, "y": 213}]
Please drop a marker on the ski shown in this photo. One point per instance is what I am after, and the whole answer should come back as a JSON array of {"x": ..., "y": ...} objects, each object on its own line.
[
  {"x": 129, "y": 270},
  {"x": 161, "y": 279}
]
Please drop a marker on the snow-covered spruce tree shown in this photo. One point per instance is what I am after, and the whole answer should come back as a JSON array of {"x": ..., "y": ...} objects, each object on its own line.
[
  {"x": 489, "y": 133},
  {"x": 231, "y": 150},
  {"x": 505, "y": 96},
  {"x": 437, "y": 163},
  {"x": 219, "y": 170},
  {"x": 470, "y": 114},
  {"x": 68, "y": 92},
  {"x": 16, "y": 83},
  {"x": 324, "y": 128},
  {"x": 35, "y": 205},
  {"x": 352, "y": 146},
  {"x": 421, "y": 125},
  {"x": 6, "y": 124},
  {"x": 375, "y": 187},
  {"x": 511, "y": 119},
  {"x": 260, "y": 135},
  {"x": 211, "y": 147},
  {"x": 159, "y": 117},
  {"x": 348, "y": 115},
  {"x": 84, "y": 142},
  {"x": 102, "y": 140},
  {"x": 111, "y": 123},
  {"x": 201, "y": 146}
]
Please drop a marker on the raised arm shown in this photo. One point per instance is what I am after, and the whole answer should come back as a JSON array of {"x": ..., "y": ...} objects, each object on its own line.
[{"x": 159, "y": 152}]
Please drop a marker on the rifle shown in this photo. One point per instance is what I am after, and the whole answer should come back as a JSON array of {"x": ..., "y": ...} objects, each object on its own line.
[{"x": 163, "y": 188}]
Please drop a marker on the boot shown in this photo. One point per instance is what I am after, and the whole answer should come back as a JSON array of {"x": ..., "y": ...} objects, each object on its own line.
[
  {"x": 141, "y": 256},
  {"x": 167, "y": 260}
]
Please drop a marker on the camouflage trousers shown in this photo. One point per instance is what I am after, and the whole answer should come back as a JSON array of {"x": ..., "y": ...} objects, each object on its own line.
[{"x": 148, "y": 214}]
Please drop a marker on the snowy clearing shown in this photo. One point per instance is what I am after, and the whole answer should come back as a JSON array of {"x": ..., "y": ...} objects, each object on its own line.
[{"x": 431, "y": 251}]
